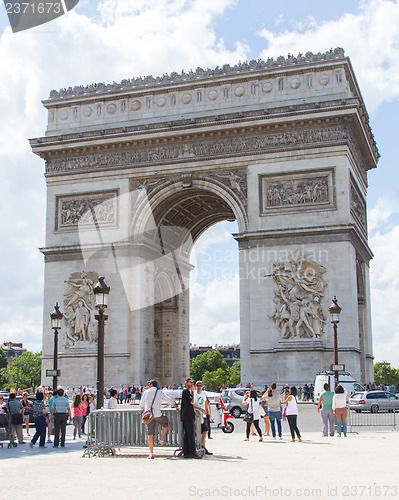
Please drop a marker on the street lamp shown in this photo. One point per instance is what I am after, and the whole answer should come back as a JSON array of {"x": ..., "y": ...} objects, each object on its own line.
[
  {"x": 101, "y": 291},
  {"x": 335, "y": 312},
  {"x": 56, "y": 321}
]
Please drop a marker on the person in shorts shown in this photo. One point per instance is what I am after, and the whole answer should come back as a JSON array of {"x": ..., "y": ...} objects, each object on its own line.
[
  {"x": 153, "y": 397},
  {"x": 201, "y": 400}
]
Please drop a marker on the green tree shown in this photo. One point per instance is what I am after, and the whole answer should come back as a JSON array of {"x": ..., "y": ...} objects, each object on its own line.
[
  {"x": 3, "y": 359},
  {"x": 215, "y": 379},
  {"x": 209, "y": 361},
  {"x": 234, "y": 373},
  {"x": 386, "y": 374},
  {"x": 25, "y": 371}
]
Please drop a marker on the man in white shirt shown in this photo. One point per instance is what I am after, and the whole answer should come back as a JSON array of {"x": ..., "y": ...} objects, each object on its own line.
[
  {"x": 113, "y": 400},
  {"x": 153, "y": 397},
  {"x": 201, "y": 400}
]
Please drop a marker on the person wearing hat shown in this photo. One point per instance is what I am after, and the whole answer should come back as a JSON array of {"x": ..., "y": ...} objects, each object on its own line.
[
  {"x": 188, "y": 418},
  {"x": 152, "y": 398}
]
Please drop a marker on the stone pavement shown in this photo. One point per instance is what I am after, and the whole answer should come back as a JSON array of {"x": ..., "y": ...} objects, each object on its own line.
[{"x": 359, "y": 466}]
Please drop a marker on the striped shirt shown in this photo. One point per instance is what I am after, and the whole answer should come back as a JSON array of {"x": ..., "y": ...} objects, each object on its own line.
[{"x": 60, "y": 405}]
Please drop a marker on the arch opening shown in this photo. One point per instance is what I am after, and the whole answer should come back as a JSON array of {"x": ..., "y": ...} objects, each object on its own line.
[{"x": 177, "y": 222}]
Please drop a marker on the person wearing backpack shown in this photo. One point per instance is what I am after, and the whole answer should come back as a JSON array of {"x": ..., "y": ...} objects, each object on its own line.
[{"x": 16, "y": 413}]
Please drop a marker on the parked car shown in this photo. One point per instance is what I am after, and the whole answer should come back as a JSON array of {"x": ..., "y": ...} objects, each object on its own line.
[
  {"x": 373, "y": 401},
  {"x": 232, "y": 399},
  {"x": 31, "y": 400}
]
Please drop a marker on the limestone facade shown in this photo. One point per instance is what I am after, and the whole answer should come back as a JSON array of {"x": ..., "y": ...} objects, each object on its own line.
[{"x": 137, "y": 171}]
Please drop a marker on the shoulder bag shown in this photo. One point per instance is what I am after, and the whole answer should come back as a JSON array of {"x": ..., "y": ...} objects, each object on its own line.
[
  {"x": 148, "y": 416},
  {"x": 249, "y": 417},
  {"x": 16, "y": 418}
]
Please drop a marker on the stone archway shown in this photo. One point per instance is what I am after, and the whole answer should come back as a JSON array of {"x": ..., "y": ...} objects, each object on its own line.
[
  {"x": 167, "y": 222},
  {"x": 137, "y": 171}
]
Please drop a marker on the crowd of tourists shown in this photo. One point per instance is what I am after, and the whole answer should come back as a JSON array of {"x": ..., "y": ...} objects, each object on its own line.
[{"x": 51, "y": 411}]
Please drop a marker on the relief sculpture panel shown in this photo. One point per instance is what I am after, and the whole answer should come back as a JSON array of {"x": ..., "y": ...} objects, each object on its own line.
[
  {"x": 298, "y": 311},
  {"x": 358, "y": 206},
  {"x": 308, "y": 190},
  {"x": 86, "y": 209},
  {"x": 79, "y": 305}
]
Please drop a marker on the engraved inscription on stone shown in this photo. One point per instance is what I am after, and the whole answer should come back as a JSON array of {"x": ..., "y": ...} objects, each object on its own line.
[
  {"x": 358, "y": 206},
  {"x": 86, "y": 209},
  {"x": 306, "y": 190},
  {"x": 298, "y": 313}
]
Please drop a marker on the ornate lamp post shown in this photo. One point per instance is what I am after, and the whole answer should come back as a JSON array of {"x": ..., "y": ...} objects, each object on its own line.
[
  {"x": 56, "y": 321},
  {"x": 335, "y": 312},
  {"x": 101, "y": 291}
]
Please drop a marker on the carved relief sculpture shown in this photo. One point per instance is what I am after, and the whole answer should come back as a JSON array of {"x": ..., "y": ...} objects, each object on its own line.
[
  {"x": 358, "y": 206},
  {"x": 79, "y": 305},
  {"x": 298, "y": 192},
  {"x": 298, "y": 312},
  {"x": 230, "y": 146},
  {"x": 86, "y": 209},
  {"x": 235, "y": 180}
]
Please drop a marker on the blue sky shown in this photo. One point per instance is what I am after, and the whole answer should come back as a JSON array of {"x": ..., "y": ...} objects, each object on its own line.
[{"x": 109, "y": 40}]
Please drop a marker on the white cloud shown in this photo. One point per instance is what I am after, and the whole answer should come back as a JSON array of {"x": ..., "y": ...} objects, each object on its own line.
[
  {"x": 378, "y": 215},
  {"x": 384, "y": 276},
  {"x": 129, "y": 38},
  {"x": 215, "y": 312},
  {"x": 370, "y": 38}
]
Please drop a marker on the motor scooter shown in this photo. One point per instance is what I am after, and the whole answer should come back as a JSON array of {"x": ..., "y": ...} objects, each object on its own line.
[{"x": 227, "y": 427}]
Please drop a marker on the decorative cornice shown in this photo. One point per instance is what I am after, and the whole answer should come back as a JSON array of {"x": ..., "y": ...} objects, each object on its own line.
[
  {"x": 198, "y": 75},
  {"x": 198, "y": 150}
]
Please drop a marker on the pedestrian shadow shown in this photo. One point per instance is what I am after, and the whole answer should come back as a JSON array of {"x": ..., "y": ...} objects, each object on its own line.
[
  {"x": 226, "y": 458},
  {"x": 26, "y": 450},
  {"x": 137, "y": 455}
]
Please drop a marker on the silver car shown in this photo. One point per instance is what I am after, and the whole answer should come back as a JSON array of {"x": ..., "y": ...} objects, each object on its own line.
[
  {"x": 373, "y": 401},
  {"x": 232, "y": 399}
]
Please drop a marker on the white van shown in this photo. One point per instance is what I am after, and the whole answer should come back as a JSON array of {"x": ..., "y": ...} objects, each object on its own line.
[{"x": 344, "y": 378}]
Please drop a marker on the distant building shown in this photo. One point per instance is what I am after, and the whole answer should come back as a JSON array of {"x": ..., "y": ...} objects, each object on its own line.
[
  {"x": 13, "y": 350},
  {"x": 230, "y": 353}
]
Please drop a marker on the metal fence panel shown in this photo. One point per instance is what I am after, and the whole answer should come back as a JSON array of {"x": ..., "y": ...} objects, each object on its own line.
[
  {"x": 385, "y": 418},
  {"x": 110, "y": 429}
]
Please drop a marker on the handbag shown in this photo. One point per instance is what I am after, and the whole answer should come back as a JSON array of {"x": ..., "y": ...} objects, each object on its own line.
[
  {"x": 148, "y": 416},
  {"x": 248, "y": 417},
  {"x": 16, "y": 418},
  {"x": 284, "y": 414}
]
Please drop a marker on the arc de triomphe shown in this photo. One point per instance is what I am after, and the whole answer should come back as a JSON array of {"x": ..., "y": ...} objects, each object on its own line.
[{"x": 137, "y": 171}]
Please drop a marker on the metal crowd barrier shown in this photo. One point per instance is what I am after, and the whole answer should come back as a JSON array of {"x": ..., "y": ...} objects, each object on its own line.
[
  {"x": 110, "y": 429},
  {"x": 383, "y": 418}
]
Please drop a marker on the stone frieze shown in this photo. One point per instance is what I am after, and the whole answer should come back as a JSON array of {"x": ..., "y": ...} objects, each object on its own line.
[{"x": 198, "y": 150}]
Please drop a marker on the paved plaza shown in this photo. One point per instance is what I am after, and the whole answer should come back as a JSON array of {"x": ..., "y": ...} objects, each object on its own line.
[{"x": 359, "y": 466}]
